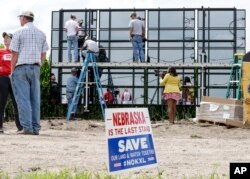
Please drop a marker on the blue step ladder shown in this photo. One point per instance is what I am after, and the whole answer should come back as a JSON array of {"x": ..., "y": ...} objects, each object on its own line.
[
  {"x": 235, "y": 76},
  {"x": 90, "y": 58}
]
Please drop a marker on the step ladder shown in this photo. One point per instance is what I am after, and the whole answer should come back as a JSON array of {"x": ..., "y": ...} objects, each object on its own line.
[
  {"x": 90, "y": 58},
  {"x": 235, "y": 76}
]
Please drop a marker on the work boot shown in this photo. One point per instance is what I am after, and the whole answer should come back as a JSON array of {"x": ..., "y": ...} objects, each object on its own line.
[
  {"x": 36, "y": 132},
  {"x": 24, "y": 132}
]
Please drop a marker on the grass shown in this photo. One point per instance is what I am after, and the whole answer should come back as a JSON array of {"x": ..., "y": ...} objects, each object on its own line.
[{"x": 69, "y": 174}]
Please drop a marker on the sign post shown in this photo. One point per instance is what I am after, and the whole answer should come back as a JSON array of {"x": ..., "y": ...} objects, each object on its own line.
[{"x": 130, "y": 142}]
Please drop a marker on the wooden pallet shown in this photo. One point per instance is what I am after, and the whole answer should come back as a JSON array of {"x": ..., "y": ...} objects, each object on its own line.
[
  {"x": 226, "y": 122},
  {"x": 213, "y": 122},
  {"x": 234, "y": 123}
]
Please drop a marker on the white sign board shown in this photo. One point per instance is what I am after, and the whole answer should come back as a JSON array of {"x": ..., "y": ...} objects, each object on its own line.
[{"x": 130, "y": 142}]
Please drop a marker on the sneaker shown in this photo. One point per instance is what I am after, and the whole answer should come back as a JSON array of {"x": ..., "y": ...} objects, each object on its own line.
[{"x": 1, "y": 130}]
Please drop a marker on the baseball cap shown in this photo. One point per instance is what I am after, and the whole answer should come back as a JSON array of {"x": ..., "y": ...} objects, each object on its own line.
[
  {"x": 27, "y": 14},
  {"x": 8, "y": 34}
]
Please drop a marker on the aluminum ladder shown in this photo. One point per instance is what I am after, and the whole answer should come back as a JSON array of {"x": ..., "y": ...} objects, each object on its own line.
[
  {"x": 235, "y": 76},
  {"x": 90, "y": 58}
]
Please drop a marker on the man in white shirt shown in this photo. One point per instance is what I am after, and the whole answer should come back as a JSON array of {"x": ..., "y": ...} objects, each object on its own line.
[
  {"x": 89, "y": 45},
  {"x": 72, "y": 28}
]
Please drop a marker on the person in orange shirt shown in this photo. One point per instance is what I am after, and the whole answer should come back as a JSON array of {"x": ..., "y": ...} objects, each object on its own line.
[
  {"x": 5, "y": 84},
  {"x": 172, "y": 92}
]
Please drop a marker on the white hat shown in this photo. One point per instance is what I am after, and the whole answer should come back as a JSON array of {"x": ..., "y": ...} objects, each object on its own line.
[{"x": 27, "y": 14}]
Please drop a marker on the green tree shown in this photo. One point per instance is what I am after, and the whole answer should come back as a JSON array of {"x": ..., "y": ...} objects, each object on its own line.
[{"x": 45, "y": 88}]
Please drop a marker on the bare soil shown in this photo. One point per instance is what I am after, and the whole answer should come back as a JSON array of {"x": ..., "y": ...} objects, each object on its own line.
[{"x": 184, "y": 149}]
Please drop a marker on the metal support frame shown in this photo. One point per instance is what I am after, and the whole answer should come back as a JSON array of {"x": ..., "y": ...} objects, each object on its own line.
[
  {"x": 201, "y": 69},
  {"x": 87, "y": 92}
]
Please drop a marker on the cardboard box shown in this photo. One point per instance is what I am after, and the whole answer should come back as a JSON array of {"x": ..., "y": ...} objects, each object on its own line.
[{"x": 219, "y": 109}]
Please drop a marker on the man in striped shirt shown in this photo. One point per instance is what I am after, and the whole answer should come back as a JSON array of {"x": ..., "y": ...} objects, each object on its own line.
[{"x": 29, "y": 49}]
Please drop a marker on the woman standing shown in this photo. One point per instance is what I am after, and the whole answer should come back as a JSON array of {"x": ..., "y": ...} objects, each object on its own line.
[
  {"x": 172, "y": 92},
  {"x": 187, "y": 91},
  {"x": 5, "y": 84}
]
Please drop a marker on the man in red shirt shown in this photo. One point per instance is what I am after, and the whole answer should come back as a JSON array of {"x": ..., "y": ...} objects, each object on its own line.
[
  {"x": 108, "y": 97},
  {"x": 5, "y": 84}
]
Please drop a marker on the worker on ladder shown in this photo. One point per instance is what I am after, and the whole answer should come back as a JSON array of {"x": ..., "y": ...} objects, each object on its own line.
[
  {"x": 91, "y": 49},
  {"x": 89, "y": 45}
]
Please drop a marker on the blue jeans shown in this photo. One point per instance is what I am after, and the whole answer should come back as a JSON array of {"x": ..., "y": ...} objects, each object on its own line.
[
  {"x": 72, "y": 43},
  {"x": 69, "y": 97},
  {"x": 26, "y": 87},
  {"x": 138, "y": 52}
]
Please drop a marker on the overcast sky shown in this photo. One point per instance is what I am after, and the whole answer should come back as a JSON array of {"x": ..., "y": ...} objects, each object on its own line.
[{"x": 42, "y": 9}]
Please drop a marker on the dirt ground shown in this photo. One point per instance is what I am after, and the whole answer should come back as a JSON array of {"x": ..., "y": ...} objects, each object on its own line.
[{"x": 184, "y": 149}]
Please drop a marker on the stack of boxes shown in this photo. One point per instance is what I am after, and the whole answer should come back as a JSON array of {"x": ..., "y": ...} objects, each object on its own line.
[{"x": 219, "y": 109}]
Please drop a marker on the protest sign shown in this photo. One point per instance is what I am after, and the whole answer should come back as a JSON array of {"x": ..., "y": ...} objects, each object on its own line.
[{"x": 129, "y": 139}]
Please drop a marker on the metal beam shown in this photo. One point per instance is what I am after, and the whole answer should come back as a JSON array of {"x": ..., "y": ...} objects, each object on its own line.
[{"x": 145, "y": 65}]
